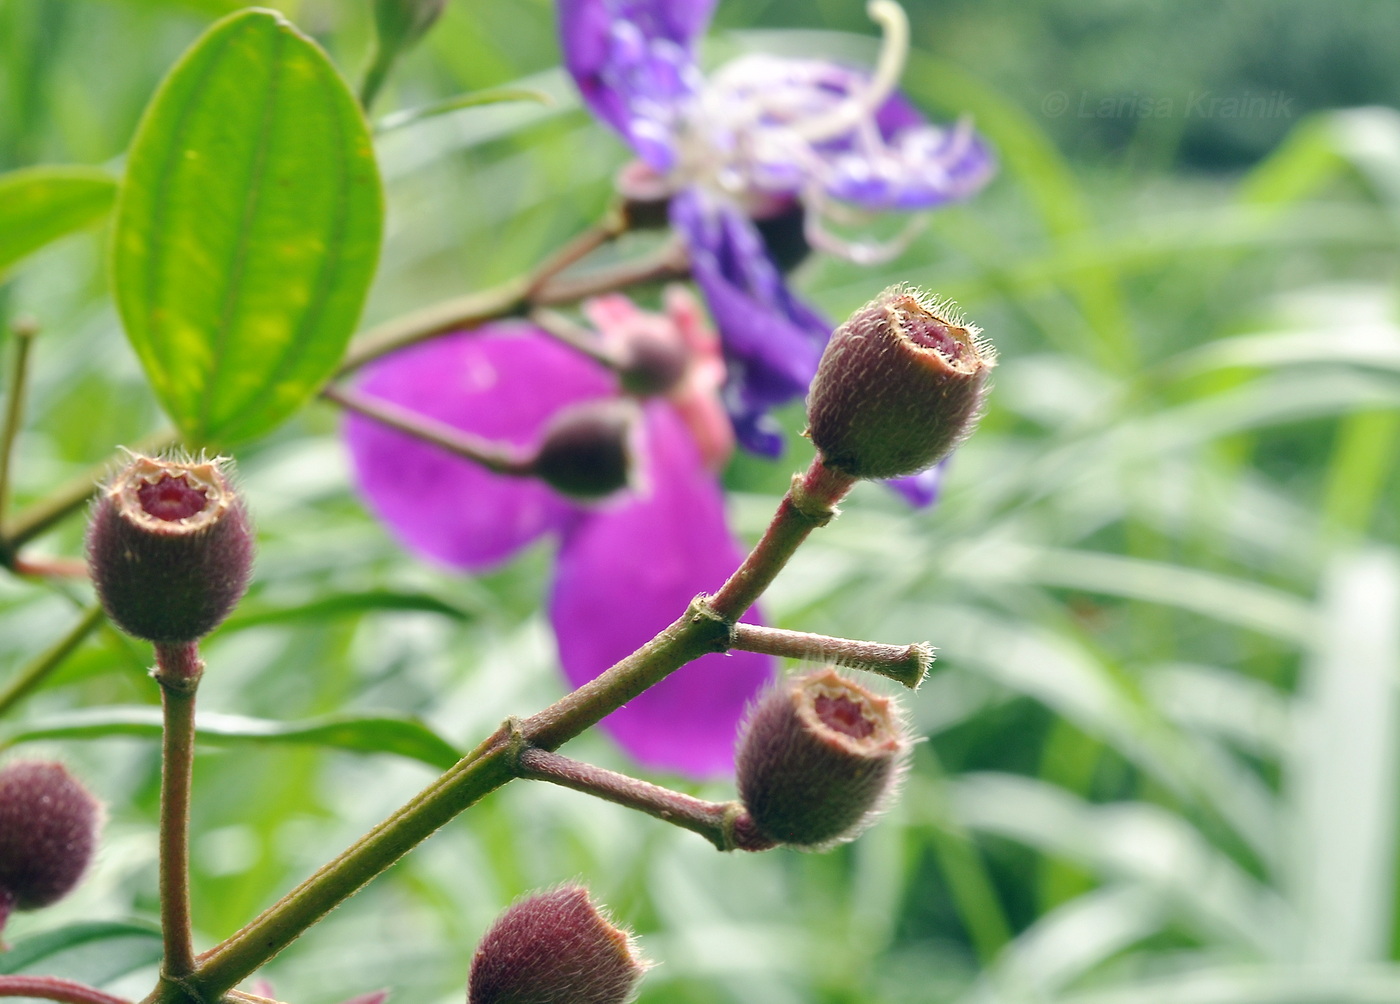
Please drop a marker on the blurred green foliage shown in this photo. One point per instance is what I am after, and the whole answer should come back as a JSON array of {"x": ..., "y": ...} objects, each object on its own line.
[{"x": 1162, "y": 729}]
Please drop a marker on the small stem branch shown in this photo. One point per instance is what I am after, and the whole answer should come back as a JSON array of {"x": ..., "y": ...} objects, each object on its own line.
[
  {"x": 724, "y": 824},
  {"x": 809, "y": 503},
  {"x": 24, "y": 333},
  {"x": 74, "y": 495},
  {"x": 456, "y": 314},
  {"x": 378, "y": 72},
  {"x": 54, "y": 989},
  {"x": 492, "y": 456},
  {"x": 612, "y": 226},
  {"x": 574, "y": 335},
  {"x": 670, "y": 262},
  {"x": 906, "y": 663},
  {"x": 178, "y": 668},
  {"x": 34, "y": 672}
]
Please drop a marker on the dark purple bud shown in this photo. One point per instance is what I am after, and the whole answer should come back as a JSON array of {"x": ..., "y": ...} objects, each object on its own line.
[
  {"x": 170, "y": 548},
  {"x": 588, "y": 450},
  {"x": 48, "y": 828},
  {"x": 818, "y": 757},
  {"x": 554, "y": 948},
  {"x": 899, "y": 386},
  {"x": 653, "y": 364}
]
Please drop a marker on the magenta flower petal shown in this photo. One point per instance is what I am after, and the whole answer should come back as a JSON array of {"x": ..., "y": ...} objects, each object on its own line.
[
  {"x": 502, "y": 382},
  {"x": 634, "y": 64},
  {"x": 624, "y": 573}
]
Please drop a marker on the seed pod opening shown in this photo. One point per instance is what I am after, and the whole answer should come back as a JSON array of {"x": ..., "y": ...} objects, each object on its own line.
[
  {"x": 554, "y": 947},
  {"x": 48, "y": 830},
  {"x": 900, "y": 384},
  {"x": 170, "y": 548},
  {"x": 818, "y": 757}
]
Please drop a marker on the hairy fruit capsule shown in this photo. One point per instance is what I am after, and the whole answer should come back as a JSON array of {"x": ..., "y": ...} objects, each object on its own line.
[
  {"x": 554, "y": 947},
  {"x": 900, "y": 384},
  {"x": 589, "y": 449},
  {"x": 170, "y": 548},
  {"x": 48, "y": 829},
  {"x": 818, "y": 757}
]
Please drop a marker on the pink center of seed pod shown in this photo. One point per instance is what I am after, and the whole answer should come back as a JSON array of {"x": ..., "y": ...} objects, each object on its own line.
[
  {"x": 171, "y": 498},
  {"x": 929, "y": 332},
  {"x": 842, "y": 714}
]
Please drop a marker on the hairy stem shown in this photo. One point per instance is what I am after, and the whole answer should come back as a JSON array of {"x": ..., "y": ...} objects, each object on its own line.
[
  {"x": 54, "y": 989},
  {"x": 724, "y": 824},
  {"x": 809, "y": 503},
  {"x": 906, "y": 663},
  {"x": 492, "y": 456},
  {"x": 34, "y": 672},
  {"x": 178, "y": 668}
]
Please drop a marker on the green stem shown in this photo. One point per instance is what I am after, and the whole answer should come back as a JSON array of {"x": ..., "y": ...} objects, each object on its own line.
[
  {"x": 34, "y": 672},
  {"x": 906, "y": 663},
  {"x": 376, "y": 75},
  {"x": 178, "y": 668},
  {"x": 14, "y": 408},
  {"x": 493, "y": 457}
]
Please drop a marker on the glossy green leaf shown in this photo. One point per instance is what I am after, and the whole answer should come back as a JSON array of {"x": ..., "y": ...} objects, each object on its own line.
[
  {"x": 95, "y": 951},
  {"x": 42, "y": 204},
  {"x": 248, "y": 229},
  {"x": 357, "y": 733},
  {"x": 342, "y": 605}
]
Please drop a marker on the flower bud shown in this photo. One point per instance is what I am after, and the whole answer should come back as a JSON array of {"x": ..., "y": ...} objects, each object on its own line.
[
  {"x": 170, "y": 548},
  {"x": 899, "y": 386},
  {"x": 48, "y": 828},
  {"x": 551, "y": 948},
  {"x": 818, "y": 757},
  {"x": 588, "y": 450},
  {"x": 653, "y": 364}
]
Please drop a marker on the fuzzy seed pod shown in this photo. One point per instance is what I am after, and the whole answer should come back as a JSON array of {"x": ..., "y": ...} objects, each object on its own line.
[
  {"x": 170, "y": 547},
  {"x": 48, "y": 829},
  {"x": 899, "y": 386},
  {"x": 818, "y": 757},
  {"x": 588, "y": 450},
  {"x": 554, "y": 948}
]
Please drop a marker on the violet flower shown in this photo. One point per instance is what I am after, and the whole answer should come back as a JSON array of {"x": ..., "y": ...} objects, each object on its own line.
[
  {"x": 626, "y": 567},
  {"x": 761, "y": 137}
]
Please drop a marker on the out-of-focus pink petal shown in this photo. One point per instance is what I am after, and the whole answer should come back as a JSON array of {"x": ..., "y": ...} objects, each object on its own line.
[
  {"x": 624, "y": 573},
  {"x": 502, "y": 382}
]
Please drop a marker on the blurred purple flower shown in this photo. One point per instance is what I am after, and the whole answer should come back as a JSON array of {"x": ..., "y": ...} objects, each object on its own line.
[
  {"x": 761, "y": 138},
  {"x": 626, "y": 567}
]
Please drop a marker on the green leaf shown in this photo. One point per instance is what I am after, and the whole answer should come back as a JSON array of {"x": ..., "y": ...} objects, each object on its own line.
[
  {"x": 41, "y": 204},
  {"x": 248, "y": 229},
  {"x": 358, "y": 733},
  {"x": 94, "y": 951},
  {"x": 343, "y": 605}
]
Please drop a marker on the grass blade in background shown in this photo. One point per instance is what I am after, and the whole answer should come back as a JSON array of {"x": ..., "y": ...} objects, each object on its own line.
[
  {"x": 41, "y": 204},
  {"x": 356, "y": 733},
  {"x": 1341, "y": 780},
  {"x": 248, "y": 229}
]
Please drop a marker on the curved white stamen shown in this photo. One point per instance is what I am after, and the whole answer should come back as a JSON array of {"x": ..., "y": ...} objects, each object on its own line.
[
  {"x": 862, "y": 252},
  {"x": 894, "y": 49}
]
